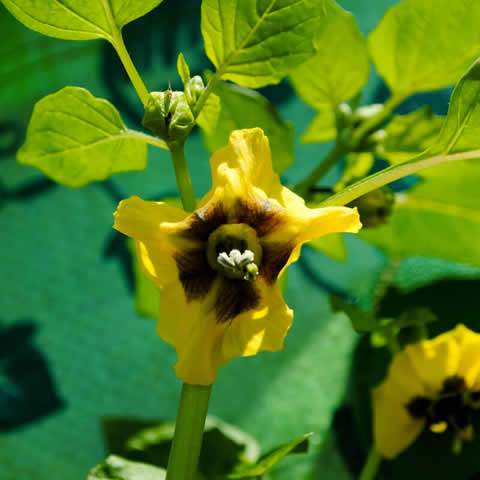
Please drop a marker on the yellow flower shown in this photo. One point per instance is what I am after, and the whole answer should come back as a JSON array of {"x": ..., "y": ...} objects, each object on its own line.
[
  {"x": 217, "y": 268},
  {"x": 435, "y": 384}
]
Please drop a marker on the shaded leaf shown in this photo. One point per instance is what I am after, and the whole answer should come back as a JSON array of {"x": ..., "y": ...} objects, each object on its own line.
[
  {"x": 340, "y": 67},
  {"x": 78, "y": 19},
  {"x": 410, "y": 135},
  {"x": 321, "y": 129},
  {"x": 75, "y": 138},
  {"x": 425, "y": 45},
  {"x": 270, "y": 459},
  {"x": 257, "y": 42},
  {"x": 117, "y": 468},
  {"x": 233, "y": 107}
]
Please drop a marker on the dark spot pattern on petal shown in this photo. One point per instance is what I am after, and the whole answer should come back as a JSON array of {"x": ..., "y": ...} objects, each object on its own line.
[
  {"x": 261, "y": 215},
  {"x": 454, "y": 384},
  {"x": 204, "y": 221},
  {"x": 194, "y": 273},
  {"x": 275, "y": 257},
  {"x": 418, "y": 407},
  {"x": 235, "y": 297}
]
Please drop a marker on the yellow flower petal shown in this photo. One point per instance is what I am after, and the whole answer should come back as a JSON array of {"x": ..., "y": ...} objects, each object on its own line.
[
  {"x": 394, "y": 429},
  {"x": 147, "y": 221},
  {"x": 261, "y": 329}
]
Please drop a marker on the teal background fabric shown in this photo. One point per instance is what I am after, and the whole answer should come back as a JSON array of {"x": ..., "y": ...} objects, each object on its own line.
[{"x": 73, "y": 351}]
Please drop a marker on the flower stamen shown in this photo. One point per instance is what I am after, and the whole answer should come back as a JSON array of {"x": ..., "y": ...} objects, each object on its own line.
[{"x": 238, "y": 265}]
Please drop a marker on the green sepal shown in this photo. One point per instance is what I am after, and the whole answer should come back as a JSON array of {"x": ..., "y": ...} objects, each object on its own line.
[
  {"x": 267, "y": 461},
  {"x": 183, "y": 69},
  {"x": 117, "y": 468},
  {"x": 168, "y": 115}
]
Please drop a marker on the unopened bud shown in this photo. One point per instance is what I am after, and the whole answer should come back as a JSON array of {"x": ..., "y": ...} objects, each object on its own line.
[
  {"x": 375, "y": 207},
  {"x": 193, "y": 89}
]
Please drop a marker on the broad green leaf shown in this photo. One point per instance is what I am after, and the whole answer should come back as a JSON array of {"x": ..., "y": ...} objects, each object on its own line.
[
  {"x": 461, "y": 130},
  {"x": 445, "y": 205},
  {"x": 425, "y": 45},
  {"x": 321, "y": 129},
  {"x": 409, "y": 135},
  {"x": 332, "y": 245},
  {"x": 117, "y": 468},
  {"x": 75, "y": 138},
  {"x": 437, "y": 217},
  {"x": 257, "y": 42},
  {"x": 183, "y": 69},
  {"x": 233, "y": 107},
  {"x": 270, "y": 459},
  {"x": 78, "y": 19},
  {"x": 340, "y": 67},
  {"x": 361, "y": 320}
]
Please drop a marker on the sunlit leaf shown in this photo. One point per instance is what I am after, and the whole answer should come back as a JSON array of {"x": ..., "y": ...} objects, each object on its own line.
[
  {"x": 332, "y": 245},
  {"x": 409, "y": 135},
  {"x": 270, "y": 459},
  {"x": 461, "y": 130},
  {"x": 117, "y": 468},
  {"x": 340, "y": 67},
  {"x": 183, "y": 69},
  {"x": 321, "y": 129},
  {"x": 233, "y": 107},
  {"x": 78, "y": 19},
  {"x": 425, "y": 45},
  {"x": 75, "y": 138},
  {"x": 257, "y": 42}
]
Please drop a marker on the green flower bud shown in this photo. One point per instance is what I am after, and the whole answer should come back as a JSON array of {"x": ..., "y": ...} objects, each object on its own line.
[
  {"x": 193, "y": 89},
  {"x": 168, "y": 115},
  {"x": 375, "y": 207}
]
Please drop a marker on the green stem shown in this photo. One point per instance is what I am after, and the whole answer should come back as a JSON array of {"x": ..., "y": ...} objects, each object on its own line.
[
  {"x": 393, "y": 173},
  {"x": 116, "y": 40},
  {"x": 374, "y": 122},
  {"x": 212, "y": 83},
  {"x": 322, "y": 169},
  {"x": 157, "y": 142},
  {"x": 187, "y": 441},
  {"x": 371, "y": 466},
  {"x": 184, "y": 182}
]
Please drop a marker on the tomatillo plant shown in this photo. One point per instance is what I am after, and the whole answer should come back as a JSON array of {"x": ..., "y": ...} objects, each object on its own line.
[{"x": 218, "y": 263}]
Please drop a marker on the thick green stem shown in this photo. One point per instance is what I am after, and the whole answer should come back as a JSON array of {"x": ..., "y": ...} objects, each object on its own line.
[
  {"x": 371, "y": 466},
  {"x": 187, "y": 441},
  {"x": 322, "y": 169},
  {"x": 393, "y": 173},
  {"x": 184, "y": 182}
]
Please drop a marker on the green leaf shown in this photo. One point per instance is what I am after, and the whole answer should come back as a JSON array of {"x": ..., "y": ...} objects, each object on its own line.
[
  {"x": 332, "y": 245},
  {"x": 409, "y": 135},
  {"x": 461, "y": 130},
  {"x": 233, "y": 107},
  {"x": 361, "y": 320},
  {"x": 445, "y": 204},
  {"x": 257, "y": 42},
  {"x": 340, "y": 67},
  {"x": 117, "y": 468},
  {"x": 183, "y": 69},
  {"x": 270, "y": 459},
  {"x": 78, "y": 19},
  {"x": 75, "y": 138},
  {"x": 321, "y": 129},
  {"x": 425, "y": 45}
]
